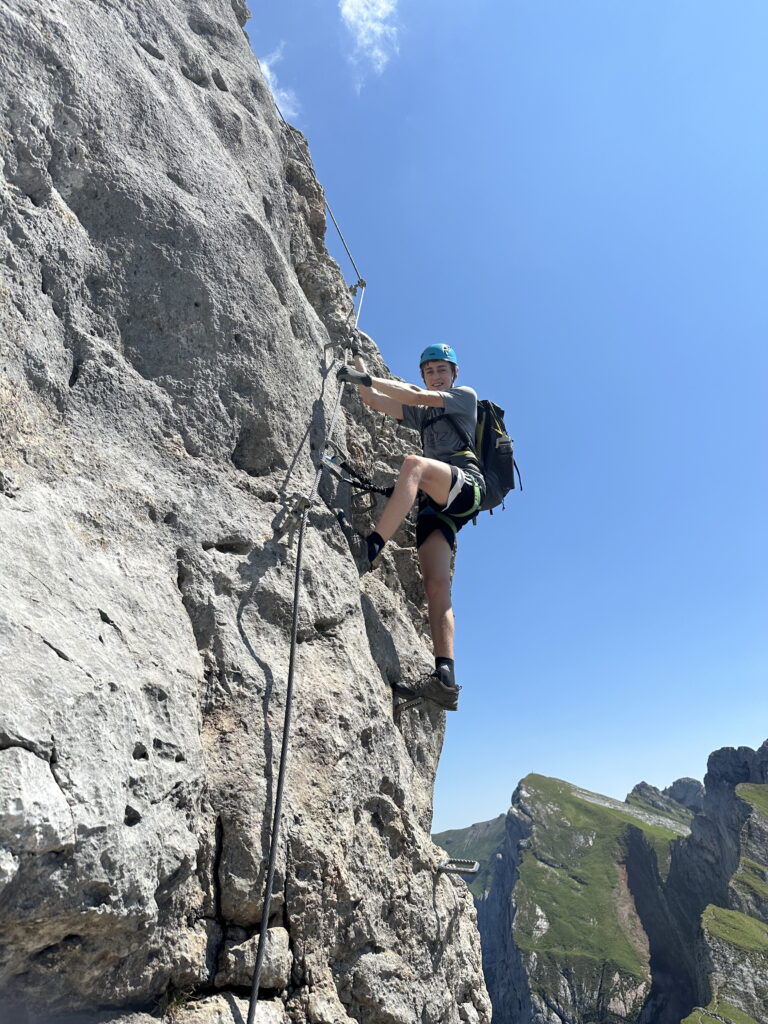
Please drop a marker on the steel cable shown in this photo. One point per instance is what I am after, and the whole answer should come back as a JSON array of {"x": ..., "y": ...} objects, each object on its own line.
[{"x": 284, "y": 747}]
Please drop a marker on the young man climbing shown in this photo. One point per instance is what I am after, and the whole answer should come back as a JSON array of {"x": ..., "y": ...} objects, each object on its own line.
[{"x": 450, "y": 481}]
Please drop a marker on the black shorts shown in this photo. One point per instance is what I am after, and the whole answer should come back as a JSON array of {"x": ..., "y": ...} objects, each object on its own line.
[{"x": 450, "y": 518}]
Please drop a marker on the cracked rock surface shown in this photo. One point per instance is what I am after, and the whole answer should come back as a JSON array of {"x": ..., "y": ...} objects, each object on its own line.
[{"x": 166, "y": 307}]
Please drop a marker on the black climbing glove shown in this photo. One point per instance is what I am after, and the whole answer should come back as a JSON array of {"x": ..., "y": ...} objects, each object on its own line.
[
  {"x": 353, "y": 343},
  {"x": 349, "y": 375}
]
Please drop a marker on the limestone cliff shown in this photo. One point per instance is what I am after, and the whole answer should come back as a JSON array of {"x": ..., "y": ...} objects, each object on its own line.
[{"x": 166, "y": 307}]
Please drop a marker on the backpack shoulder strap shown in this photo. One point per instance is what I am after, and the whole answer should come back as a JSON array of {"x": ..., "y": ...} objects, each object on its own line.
[
  {"x": 429, "y": 422},
  {"x": 463, "y": 435},
  {"x": 468, "y": 441}
]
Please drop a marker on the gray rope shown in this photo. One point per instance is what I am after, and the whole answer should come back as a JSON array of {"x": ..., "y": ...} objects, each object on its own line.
[
  {"x": 284, "y": 748},
  {"x": 280, "y": 782},
  {"x": 305, "y": 504}
]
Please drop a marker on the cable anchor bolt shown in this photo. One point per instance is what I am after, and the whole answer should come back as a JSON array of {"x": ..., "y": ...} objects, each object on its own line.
[{"x": 292, "y": 520}]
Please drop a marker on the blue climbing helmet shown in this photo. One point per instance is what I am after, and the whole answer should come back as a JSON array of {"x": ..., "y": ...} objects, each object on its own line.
[{"x": 438, "y": 352}]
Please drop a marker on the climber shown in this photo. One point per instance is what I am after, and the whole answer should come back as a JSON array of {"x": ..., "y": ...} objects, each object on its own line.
[{"x": 450, "y": 481}]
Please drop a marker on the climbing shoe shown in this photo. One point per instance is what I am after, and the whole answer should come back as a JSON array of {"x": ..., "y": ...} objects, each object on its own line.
[{"x": 438, "y": 688}]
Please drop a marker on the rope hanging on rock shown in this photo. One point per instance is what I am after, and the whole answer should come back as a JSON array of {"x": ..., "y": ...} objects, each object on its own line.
[
  {"x": 298, "y": 514},
  {"x": 300, "y": 511}
]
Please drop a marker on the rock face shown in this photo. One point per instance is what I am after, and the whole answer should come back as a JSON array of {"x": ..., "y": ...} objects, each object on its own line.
[
  {"x": 166, "y": 307},
  {"x": 718, "y": 890},
  {"x": 688, "y": 792},
  {"x": 642, "y": 912}
]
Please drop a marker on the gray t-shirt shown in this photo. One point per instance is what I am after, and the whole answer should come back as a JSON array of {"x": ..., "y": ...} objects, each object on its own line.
[{"x": 442, "y": 441}]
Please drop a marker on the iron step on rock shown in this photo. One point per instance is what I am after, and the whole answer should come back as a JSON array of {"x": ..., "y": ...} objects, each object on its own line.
[
  {"x": 405, "y": 698},
  {"x": 457, "y": 866}
]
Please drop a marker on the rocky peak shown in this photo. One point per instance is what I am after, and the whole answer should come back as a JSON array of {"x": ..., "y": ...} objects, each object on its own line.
[
  {"x": 688, "y": 792},
  {"x": 647, "y": 911},
  {"x": 688, "y": 799},
  {"x": 729, "y": 766}
]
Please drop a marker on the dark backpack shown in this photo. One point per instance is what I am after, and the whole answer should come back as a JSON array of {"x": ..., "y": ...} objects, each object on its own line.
[{"x": 493, "y": 449}]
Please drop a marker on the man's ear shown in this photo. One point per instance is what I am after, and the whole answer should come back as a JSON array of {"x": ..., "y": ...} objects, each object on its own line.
[{"x": 455, "y": 374}]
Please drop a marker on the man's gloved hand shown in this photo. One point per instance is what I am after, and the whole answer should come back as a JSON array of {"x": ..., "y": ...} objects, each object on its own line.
[
  {"x": 349, "y": 375},
  {"x": 353, "y": 343}
]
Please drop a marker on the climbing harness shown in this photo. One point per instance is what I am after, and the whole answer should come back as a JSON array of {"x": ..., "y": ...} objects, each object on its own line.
[
  {"x": 491, "y": 449},
  {"x": 335, "y": 458}
]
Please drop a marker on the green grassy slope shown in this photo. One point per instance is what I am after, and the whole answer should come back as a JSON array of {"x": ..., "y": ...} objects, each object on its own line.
[
  {"x": 717, "y": 1012},
  {"x": 752, "y": 874},
  {"x": 736, "y": 929},
  {"x": 756, "y": 795},
  {"x": 573, "y": 902},
  {"x": 746, "y": 940},
  {"x": 479, "y": 842}
]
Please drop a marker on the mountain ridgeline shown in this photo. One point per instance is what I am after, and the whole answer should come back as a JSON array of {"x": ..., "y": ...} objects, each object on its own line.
[{"x": 651, "y": 911}]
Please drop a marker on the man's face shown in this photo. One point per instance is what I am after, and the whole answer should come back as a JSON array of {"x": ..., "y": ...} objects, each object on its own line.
[{"x": 437, "y": 374}]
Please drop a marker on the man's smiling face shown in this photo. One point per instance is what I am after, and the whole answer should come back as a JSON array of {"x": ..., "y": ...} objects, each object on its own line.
[{"x": 438, "y": 374}]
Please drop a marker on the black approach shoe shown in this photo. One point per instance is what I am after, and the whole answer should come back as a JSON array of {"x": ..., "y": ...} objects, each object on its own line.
[{"x": 436, "y": 688}]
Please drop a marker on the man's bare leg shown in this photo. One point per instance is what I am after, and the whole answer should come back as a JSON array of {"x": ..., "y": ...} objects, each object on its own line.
[
  {"x": 416, "y": 473},
  {"x": 435, "y": 560}
]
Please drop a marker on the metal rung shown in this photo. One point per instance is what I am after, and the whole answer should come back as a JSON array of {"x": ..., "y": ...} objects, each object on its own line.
[
  {"x": 456, "y": 866},
  {"x": 407, "y": 698},
  {"x": 404, "y": 705}
]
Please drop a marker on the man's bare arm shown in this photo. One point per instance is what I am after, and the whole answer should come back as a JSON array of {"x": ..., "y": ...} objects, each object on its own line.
[
  {"x": 408, "y": 394},
  {"x": 374, "y": 398}
]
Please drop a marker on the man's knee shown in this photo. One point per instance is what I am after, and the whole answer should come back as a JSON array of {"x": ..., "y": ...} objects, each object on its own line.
[
  {"x": 413, "y": 465},
  {"x": 437, "y": 588}
]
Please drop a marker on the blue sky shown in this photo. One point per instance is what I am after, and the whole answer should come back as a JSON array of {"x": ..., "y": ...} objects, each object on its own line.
[{"x": 573, "y": 196}]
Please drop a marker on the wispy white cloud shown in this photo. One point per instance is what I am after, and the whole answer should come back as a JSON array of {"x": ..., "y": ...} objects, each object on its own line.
[
  {"x": 372, "y": 24},
  {"x": 286, "y": 99}
]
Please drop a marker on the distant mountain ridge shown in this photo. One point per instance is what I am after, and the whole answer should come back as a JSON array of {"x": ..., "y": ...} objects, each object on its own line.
[{"x": 648, "y": 911}]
